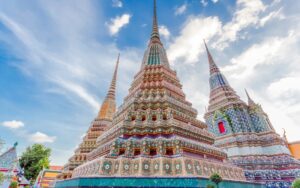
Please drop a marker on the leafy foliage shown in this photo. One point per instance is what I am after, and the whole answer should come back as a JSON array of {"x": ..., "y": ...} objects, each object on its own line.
[
  {"x": 296, "y": 183},
  {"x": 216, "y": 178},
  {"x": 210, "y": 186},
  {"x": 34, "y": 159},
  {"x": 1, "y": 178},
  {"x": 13, "y": 185}
]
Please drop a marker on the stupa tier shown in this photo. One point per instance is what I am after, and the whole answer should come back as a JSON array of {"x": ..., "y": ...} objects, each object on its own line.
[
  {"x": 155, "y": 131},
  {"x": 246, "y": 134},
  {"x": 97, "y": 127}
]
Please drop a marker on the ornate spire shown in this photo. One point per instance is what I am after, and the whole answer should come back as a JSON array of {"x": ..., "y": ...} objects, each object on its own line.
[
  {"x": 217, "y": 79},
  {"x": 108, "y": 107},
  {"x": 155, "y": 33},
  {"x": 221, "y": 94},
  {"x": 250, "y": 101},
  {"x": 155, "y": 54},
  {"x": 213, "y": 68},
  {"x": 112, "y": 89}
]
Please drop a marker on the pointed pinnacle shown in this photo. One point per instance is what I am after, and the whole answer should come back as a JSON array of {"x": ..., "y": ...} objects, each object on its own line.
[
  {"x": 212, "y": 65},
  {"x": 155, "y": 33},
  {"x": 284, "y": 135},
  {"x": 112, "y": 88},
  {"x": 247, "y": 93},
  {"x": 250, "y": 101}
]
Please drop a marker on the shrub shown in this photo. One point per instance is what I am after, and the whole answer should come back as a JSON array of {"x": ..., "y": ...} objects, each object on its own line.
[
  {"x": 13, "y": 185},
  {"x": 216, "y": 178},
  {"x": 1, "y": 178},
  {"x": 210, "y": 186},
  {"x": 296, "y": 183}
]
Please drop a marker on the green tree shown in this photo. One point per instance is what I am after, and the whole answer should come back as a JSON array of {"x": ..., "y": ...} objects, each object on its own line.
[
  {"x": 1, "y": 178},
  {"x": 13, "y": 184},
  {"x": 296, "y": 183},
  {"x": 34, "y": 159},
  {"x": 216, "y": 178}
]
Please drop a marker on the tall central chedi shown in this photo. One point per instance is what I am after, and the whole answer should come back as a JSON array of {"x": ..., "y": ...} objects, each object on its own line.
[{"x": 155, "y": 133}]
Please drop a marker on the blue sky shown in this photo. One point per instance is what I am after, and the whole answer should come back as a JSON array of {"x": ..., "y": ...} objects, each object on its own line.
[{"x": 57, "y": 59}]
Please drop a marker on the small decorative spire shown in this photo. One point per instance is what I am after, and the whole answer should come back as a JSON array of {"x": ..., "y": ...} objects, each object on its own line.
[
  {"x": 112, "y": 88},
  {"x": 250, "y": 101},
  {"x": 284, "y": 135},
  {"x": 212, "y": 65},
  {"x": 155, "y": 33}
]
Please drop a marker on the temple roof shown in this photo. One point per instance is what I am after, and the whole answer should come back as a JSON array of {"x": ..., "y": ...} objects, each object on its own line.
[{"x": 24, "y": 181}]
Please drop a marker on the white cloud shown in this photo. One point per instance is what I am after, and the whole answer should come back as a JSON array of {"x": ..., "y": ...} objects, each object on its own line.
[
  {"x": 180, "y": 10},
  {"x": 189, "y": 44},
  {"x": 214, "y": 1},
  {"x": 14, "y": 124},
  {"x": 36, "y": 53},
  {"x": 117, "y": 3},
  {"x": 39, "y": 137},
  {"x": 282, "y": 104},
  {"x": 164, "y": 31},
  {"x": 267, "y": 52},
  {"x": 117, "y": 23},
  {"x": 244, "y": 64},
  {"x": 272, "y": 15},
  {"x": 247, "y": 14},
  {"x": 196, "y": 28},
  {"x": 70, "y": 64},
  {"x": 204, "y": 3},
  {"x": 80, "y": 91},
  {"x": 285, "y": 88},
  {"x": 70, "y": 75}
]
